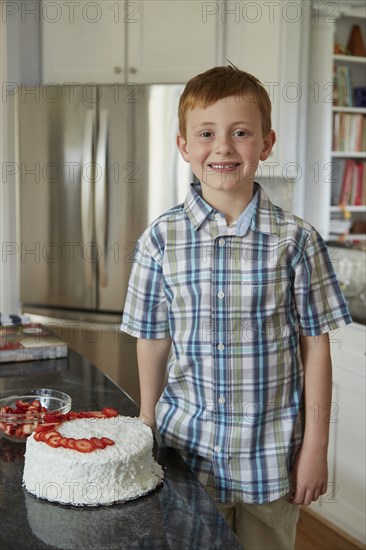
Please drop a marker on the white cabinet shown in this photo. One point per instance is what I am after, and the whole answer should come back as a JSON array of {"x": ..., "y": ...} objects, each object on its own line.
[
  {"x": 344, "y": 502},
  {"x": 140, "y": 41},
  {"x": 83, "y": 41},
  {"x": 173, "y": 41},
  {"x": 265, "y": 39}
]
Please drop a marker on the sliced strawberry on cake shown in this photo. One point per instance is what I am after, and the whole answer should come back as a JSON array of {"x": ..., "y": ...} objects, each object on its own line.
[{"x": 83, "y": 446}]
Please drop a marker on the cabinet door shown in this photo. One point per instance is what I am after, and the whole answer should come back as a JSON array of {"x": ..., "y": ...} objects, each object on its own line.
[
  {"x": 264, "y": 38},
  {"x": 169, "y": 42},
  {"x": 344, "y": 502},
  {"x": 83, "y": 41}
]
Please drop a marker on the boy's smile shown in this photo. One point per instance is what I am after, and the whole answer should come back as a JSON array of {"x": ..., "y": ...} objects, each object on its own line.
[{"x": 224, "y": 144}]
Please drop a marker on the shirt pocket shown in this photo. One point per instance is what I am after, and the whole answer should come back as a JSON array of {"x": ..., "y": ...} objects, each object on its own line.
[{"x": 265, "y": 292}]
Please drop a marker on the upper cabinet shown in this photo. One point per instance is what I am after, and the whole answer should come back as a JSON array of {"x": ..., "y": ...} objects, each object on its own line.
[
  {"x": 83, "y": 41},
  {"x": 172, "y": 41},
  {"x": 117, "y": 41}
]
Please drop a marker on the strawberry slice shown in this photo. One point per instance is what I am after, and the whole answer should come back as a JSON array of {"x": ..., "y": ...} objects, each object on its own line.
[
  {"x": 50, "y": 433},
  {"x": 38, "y": 436},
  {"x": 107, "y": 441},
  {"x": 63, "y": 442},
  {"x": 50, "y": 418},
  {"x": 9, "y": 429},
  {"x": 19, "y": 433},
  {"x": 84, "y": 414},
  {"x": 21, "y": 404},
  {"x": 83, "y": 446},
  {"x": 54, "y": 441},
  {"x": 88, "y": 414},
  {"x": 96, "y": 414},
  {"x": 44, "y": 427},
  {"x": 109, "y": 412},
  {"x": 27, "y": 429},
  {"x": 97, "y": 443},
  {"x": 70, "y": 442}
]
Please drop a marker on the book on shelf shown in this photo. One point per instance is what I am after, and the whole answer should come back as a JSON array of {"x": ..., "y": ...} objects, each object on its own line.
[
  {"x": 342, "y": 86},
  {"x": 349, "y": 183},
  {"x": 349, "y": 132},
  {"x": 340, "y": 227}
]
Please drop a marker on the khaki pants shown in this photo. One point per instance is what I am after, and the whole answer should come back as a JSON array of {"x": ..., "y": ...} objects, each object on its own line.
[{"x": 270, "y": 526}]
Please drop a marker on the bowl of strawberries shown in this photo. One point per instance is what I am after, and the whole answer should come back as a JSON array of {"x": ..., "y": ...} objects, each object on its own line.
[{"x": 21, "y": 412}]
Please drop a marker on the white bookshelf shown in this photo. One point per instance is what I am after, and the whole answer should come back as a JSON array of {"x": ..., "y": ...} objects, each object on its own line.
[{"x": 325, "y": 165}]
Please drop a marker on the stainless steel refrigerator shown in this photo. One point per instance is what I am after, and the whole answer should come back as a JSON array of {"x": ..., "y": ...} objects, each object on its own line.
[{"x": 96, "y": 165}]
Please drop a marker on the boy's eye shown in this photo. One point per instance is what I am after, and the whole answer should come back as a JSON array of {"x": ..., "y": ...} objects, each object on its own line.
[
  {"x": 240, "y": 133},
  {"x": 206, "y": 134}
]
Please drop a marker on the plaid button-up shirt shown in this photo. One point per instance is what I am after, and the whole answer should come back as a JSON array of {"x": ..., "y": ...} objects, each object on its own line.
[{"x": 234, "y": 305}]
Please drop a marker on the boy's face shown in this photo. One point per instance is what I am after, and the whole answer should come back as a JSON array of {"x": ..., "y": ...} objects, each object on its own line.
[{"x": 224, "y": 144}]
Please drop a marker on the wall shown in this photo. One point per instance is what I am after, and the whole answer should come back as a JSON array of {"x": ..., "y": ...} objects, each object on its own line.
[{"x": 19, "y": 65}]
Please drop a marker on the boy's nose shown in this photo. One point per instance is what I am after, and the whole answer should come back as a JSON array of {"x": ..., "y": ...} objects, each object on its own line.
[{"x": 224, "y": 145}]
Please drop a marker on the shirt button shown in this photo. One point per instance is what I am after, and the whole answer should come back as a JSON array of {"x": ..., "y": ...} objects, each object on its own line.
[
  {"x": 221, "y": 347},
  {"x": 221, "y": 242},
  {"x": 220, "y": 294},
  {"x": 217, "y": 449},
  {"x": 217, "y": 216},
  {"x": 221, "y": 399}
]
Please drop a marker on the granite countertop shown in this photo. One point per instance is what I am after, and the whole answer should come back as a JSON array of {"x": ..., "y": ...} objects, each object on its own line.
[{"x": 177, "y": 515}]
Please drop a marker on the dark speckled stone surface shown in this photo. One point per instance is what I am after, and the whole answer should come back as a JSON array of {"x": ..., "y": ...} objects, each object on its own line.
[{"x": 179, "y": 515}]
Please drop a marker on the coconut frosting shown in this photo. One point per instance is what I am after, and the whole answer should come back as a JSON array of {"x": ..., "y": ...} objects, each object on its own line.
[{"x": 117, "y": 473}]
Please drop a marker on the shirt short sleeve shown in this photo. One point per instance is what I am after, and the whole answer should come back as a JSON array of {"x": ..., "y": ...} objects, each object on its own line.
[
  {"x": 145, "y": 313},
  {"x": 320, "y": 303}
]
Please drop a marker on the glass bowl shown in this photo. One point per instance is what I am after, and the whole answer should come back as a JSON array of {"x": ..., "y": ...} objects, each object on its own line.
[{"x": 22, "y": 411}]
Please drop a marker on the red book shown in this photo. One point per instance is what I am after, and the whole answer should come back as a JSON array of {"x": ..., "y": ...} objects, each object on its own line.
[
  {"x": 363, "y": 186},
  {"x": 359, "y": 122},
  {"x": 359, "y": 181},
  {"x": 346, "y": 189}
]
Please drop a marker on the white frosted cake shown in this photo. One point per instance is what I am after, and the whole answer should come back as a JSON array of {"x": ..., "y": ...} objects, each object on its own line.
[{"x": 91, "y": 461}]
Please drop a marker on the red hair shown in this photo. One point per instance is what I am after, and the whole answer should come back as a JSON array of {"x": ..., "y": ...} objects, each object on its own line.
[{"x": 220, "y": 82}]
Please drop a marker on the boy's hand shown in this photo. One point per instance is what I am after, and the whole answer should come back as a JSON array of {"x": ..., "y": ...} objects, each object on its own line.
[
  {"x": 310, "y": 471},
  {"x": 148, "y": 421},
  {"x": 310, "y": 475}
]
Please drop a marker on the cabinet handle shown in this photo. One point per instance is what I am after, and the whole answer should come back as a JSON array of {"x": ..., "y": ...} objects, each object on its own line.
[
  {"x": 117, "y": 70},
  {"x": 133, "y": 70}
]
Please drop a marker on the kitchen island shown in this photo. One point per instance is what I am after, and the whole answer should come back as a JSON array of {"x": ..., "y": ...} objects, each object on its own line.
[{"x": 179, "y": 514}]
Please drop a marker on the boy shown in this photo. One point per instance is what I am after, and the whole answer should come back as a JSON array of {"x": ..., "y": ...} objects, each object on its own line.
[{"x": 242, "y": 290}]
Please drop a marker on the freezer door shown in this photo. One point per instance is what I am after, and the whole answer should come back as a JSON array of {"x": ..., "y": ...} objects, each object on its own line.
[
  {"x": 139, "y": 177},
  {"x": 57, "y": 131}
]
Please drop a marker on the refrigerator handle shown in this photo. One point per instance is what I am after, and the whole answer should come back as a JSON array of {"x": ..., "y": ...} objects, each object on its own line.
[
  {"x": 87, "y": 179},
  {"x": 101, "y": 196}
]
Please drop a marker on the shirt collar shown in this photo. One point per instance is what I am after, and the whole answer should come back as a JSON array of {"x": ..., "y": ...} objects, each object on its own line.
[
  {"x": 260, "y": 214},
  {"x": 265, "y": 218},
  {"x": 196, "y": 208},
  {"x": 243, "y": 222}
]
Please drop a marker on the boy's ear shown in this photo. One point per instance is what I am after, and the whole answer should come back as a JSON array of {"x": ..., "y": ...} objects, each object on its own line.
[
  {"x": 183, "y": 149},
  {"x": 268, "y": 144}
]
